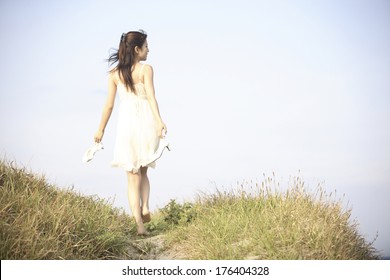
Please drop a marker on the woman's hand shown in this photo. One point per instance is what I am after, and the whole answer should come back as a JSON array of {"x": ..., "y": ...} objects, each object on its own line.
[
  {"x": 98, "y": 136},
  {"x": 162, "y": 130}
]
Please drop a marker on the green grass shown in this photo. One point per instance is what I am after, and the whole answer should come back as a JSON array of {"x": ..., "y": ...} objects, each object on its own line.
[
  {"x": 41, "y": 221},
  {"x": 267, "y": 224}
]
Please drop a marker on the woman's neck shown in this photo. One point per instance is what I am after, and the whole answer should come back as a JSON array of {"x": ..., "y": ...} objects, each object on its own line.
[{"x": 136, "y": 60}]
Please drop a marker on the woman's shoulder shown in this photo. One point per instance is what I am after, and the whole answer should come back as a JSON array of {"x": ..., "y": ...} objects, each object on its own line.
[
  {"x": 147, "y": 66},
  {"x": 114, "y": 76},
  {"x": 147, "y": 69}
]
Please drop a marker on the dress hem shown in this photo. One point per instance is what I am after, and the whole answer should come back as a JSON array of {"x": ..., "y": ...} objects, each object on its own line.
[
  {"x": 151, "y": 162},
  {"x": 129, "y": 168}
]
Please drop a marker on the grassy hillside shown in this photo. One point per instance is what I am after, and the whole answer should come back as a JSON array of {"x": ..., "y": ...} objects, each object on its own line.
[
  {"x": 266, "y": 224},
  {"x": 42, "y": 221}
]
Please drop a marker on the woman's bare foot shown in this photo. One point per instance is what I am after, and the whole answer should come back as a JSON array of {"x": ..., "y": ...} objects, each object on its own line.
[
  {"x": 145, "y": 214},
  {"x": 146, "y": 218},
  {"x": 141, "y": 230}
]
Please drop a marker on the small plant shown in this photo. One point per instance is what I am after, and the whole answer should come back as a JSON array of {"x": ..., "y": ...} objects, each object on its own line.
[{"x": 175, "y": 214}]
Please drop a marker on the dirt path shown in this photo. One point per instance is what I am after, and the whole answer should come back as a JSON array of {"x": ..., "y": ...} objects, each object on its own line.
[{"x": 154, "y": 248}]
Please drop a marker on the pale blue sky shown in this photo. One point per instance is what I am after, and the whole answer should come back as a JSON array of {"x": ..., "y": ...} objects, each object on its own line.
[{"x": 245, "y": 88}]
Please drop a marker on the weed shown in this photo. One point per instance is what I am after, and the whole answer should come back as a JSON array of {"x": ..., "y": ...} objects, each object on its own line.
[{"x": 175, "y": 213}]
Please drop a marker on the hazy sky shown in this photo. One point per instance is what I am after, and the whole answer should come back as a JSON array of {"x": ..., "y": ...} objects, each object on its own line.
[{"x": 246, "y": 88}]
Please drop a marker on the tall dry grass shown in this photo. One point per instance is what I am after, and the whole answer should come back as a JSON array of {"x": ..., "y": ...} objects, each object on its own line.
[
  {"x": 42, "y": 221},
  {"x": 261, "y": 222}
]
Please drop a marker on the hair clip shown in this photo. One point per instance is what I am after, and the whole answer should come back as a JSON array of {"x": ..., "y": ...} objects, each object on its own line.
[{"x": 123, "y": 37}]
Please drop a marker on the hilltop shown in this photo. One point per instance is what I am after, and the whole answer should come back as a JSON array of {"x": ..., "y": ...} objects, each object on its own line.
[{"x": 42, "y": 221}]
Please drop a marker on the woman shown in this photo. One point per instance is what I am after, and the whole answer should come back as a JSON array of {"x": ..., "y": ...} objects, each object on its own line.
[{"x": 140, "y": 128}]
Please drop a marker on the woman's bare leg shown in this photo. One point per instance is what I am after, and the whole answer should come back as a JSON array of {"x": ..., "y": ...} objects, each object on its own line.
[
  {"x": 145, "y": 191},
  {"x": 134, "y": 196}
]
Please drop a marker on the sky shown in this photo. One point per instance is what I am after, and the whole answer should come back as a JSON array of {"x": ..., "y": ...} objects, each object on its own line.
[{"x": 247, "y": 89}]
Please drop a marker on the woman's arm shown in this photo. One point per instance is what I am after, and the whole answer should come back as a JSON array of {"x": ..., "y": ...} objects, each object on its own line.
[
  {"x": 108, "y": 107},
  {"x": 149, "y": 87}
]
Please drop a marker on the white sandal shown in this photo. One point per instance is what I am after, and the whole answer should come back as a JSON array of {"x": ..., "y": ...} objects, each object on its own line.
[{"x": 91, "y": 151}]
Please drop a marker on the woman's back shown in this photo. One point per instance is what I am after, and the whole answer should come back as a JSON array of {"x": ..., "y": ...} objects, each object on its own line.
[{"x": 137, "y": 75}]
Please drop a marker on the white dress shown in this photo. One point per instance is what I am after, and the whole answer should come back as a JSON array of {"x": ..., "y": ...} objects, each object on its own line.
[{"x": 137, "y": 142}]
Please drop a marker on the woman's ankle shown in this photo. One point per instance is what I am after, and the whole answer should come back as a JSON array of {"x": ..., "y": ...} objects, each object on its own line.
[{"x": 145, "y": 210}]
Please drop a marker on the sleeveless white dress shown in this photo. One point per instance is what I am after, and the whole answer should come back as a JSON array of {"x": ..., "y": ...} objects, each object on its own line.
[{"x": 137, "y": 142}]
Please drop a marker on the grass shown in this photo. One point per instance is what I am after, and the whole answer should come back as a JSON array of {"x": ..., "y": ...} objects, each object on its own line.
[
  {"x": 267, "y": 224},
  {"x": 41, "y": 221}
]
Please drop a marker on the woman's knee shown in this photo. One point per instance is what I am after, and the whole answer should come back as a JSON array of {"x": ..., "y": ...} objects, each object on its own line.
[{"x": 133, "y": 176}]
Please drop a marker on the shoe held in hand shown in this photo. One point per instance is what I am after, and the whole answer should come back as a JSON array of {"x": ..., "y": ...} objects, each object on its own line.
[{"x": 91, "y": 151}]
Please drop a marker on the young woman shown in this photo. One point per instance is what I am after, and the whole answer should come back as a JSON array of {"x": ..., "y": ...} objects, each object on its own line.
[{"x": 140, "y": 128}]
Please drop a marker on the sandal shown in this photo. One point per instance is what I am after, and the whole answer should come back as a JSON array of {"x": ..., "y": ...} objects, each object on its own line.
[{"x": 91, "y": 151}]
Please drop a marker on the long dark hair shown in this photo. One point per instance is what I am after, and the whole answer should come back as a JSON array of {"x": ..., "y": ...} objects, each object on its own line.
[{"x": 125, "y": 56}]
